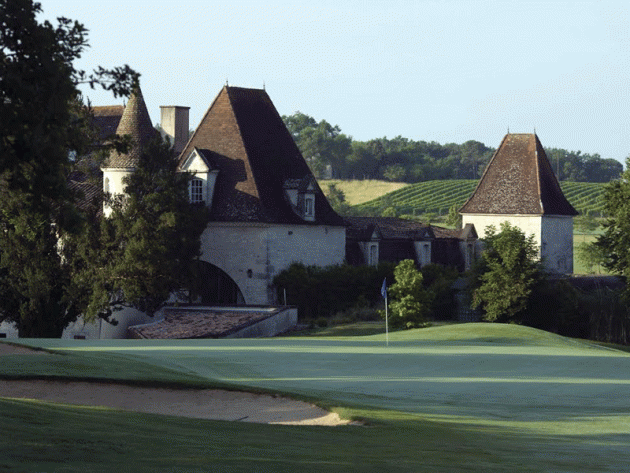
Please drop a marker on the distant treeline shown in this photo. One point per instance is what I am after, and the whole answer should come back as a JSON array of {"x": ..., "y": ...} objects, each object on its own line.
[{"x": 331, "y": 154}]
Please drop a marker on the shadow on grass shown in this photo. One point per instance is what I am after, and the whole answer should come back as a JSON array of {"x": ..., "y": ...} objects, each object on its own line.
[{"x": 50, "y": 437}]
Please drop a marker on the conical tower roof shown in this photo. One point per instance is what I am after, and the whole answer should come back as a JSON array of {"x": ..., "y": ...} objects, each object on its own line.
[
  {"x": 136, "y": 123},
  {"x": 519, "y": 180}
]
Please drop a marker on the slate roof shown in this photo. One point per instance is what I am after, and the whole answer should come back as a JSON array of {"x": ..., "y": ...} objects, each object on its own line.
[
  {"x": 519, "y": 180},
  {"x": 468, "y": 232},
  {"x": 89, "y": 192},
  {"x": 244, "y": 137},
  {"x": 135, "y": 122},
  {"x": 106, "y": 118},
  {"x": 362, "y": 228}
]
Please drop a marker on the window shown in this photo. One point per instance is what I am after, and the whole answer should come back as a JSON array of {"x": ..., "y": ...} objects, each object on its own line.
[
  {"x": 373, "y": 257},
  {"x": 196, "y": 191},
  {"x": 106, "y": 185},
  {"x": 308, "y": 207}
]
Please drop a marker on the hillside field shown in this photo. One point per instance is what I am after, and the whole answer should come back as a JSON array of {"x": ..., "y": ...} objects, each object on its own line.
[
  {"x": 438, "y": 196},
  {"x": 468, "y": 397},
  {"x": 360, "y": 191}
]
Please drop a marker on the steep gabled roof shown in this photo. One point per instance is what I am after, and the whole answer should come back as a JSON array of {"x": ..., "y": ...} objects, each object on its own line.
[
  {"x": 245, "y": 138},
  {"x": 136, "y": 123},
  {"x": 519, "y": 180}
]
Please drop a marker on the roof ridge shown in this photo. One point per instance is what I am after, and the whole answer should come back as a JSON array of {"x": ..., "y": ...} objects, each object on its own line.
[
  {"x": 181, "y": 155},
  {"x": 485, "y": 171},
  {"x": 538, "y": 171}
]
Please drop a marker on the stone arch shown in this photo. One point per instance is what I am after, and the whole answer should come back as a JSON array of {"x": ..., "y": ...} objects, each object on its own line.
[{"x": 215, "y": 286}]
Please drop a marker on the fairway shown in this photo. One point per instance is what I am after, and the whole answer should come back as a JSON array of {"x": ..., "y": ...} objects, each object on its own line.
[{"x": 560, "y": 396}]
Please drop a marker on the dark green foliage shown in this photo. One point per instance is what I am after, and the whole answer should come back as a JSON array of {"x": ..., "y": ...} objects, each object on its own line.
[
  {"x": 323, "y": 292},
  {"x": 598, "y": 313},
  {"x": 454, "y": 218},
  {"x": 577, "y": 167},
  {"x": 439, "y": 281},
  {"x": 402, "y": 159},
  {"x": 337, "y": 200},
  {"x": 321, "y": 143},
  {"x": 349, "y": 293},
  {"x": 42, "y": 121},
  {"x": 615, "y": 241},
  {"x": 409, "y": 300},
  {"x": 592, "y": 256},
  {"x": 147, "y": 247},
  {"x": 507, "y": 275}
]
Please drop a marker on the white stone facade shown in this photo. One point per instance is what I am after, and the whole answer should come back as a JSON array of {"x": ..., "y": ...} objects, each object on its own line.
[
  {"x": 113, "y": 183},
  {"x": 100, "y": 329},
  {"x": 253, "y": 254},
  {"x": 553, "y": 234}
]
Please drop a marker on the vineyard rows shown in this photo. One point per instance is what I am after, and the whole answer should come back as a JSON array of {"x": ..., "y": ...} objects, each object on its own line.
[{"x": 439, "y": 196}]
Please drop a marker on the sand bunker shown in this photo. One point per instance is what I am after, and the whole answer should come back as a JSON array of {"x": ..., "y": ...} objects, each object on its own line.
[{"x": 203, "y": 404}]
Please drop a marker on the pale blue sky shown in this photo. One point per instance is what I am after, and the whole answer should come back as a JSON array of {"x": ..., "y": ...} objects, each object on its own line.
[{"x": 447, "y": 71}]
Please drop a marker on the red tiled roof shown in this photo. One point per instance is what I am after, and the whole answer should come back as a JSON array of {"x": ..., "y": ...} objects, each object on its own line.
[
  {"x": 519, "y": 180},
  {"x": 246, "y": 140},
  {"x": 198, "y": 323}
]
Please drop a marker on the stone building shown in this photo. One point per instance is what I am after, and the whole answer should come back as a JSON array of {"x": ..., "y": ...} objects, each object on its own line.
[
  {"x": 519, "y": 187},
  {"x": 267, "y": 210},
  {"x": 370, "y": 240}
]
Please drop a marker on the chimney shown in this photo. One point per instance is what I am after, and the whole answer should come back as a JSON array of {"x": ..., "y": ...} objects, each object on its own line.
[{"x": 174, "y": 125}]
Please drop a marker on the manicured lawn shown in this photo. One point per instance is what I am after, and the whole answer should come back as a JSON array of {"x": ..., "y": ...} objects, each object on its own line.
[{"x": 470, "y": 397}]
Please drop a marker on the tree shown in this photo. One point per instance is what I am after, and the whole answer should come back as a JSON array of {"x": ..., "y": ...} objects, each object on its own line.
[
  {"x": 615, "y": 241},
  {"x": 147, "y": 248},
  {"x": 321, "y": 144},
  {"x": 508, "y": 273},
  {"x": 337, "y": 200},
  {"x": 410, "y": 300},
  {"x": 454, "y": 218},
  {"x": 591, "y": 256},
  {"x": 41, "y": 121}
]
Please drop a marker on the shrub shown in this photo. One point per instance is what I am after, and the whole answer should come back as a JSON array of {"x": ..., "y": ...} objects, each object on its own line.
[
  {"x": 410, "y": 300},
  {"x": 439, "y": 280},
  {"x": 508, "y": 274},
  {"x": 323, "y": 292}
]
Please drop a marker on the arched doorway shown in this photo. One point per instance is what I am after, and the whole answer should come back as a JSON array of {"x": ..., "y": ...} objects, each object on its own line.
[{"x": 214, "y": 286}]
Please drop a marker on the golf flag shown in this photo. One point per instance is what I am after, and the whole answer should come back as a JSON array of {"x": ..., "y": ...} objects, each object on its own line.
[{"x": 384, "y": 289}]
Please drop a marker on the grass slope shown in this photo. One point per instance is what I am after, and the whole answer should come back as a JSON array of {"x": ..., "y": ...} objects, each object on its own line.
[
  {"x": 357, "y": 192},
  {"x": 470, "y": 397}
]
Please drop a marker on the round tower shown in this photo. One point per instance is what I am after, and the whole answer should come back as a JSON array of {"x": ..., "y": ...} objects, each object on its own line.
[{"x": 136, "y": 123}]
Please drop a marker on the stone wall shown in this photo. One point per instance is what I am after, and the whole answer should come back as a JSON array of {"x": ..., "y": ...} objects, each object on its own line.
[
  {"x": 253, "y": 254},
  {"x": 552, "y": 234}
]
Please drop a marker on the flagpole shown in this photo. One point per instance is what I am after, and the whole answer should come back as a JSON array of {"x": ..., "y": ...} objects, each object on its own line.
[
  {"x": 386, "y": 323},
  {"x": 384, "y": 294}
]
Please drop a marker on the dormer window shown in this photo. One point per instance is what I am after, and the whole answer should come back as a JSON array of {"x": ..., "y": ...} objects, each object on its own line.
[
  {"x": 309, "y": 207},
  {"x": 196, "y": 191},
  {"x": 300, "y": 194}
]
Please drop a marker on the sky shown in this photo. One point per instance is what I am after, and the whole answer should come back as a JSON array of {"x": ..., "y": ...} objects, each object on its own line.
[{"x": 447, "y": 71}]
